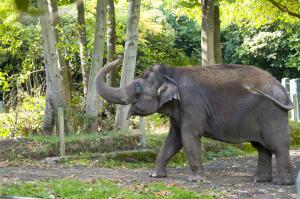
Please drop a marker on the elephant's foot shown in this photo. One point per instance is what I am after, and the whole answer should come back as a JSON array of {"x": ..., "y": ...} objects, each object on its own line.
[
  {"x": 285, "y": 180},
  {"x": 262, "y": 178},
  {"x": 158, "y": 173},
  {"x": 196, "y": 178}
]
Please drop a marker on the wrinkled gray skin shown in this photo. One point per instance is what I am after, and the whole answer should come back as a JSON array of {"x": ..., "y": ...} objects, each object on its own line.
[{"x": 230, "y": 103}]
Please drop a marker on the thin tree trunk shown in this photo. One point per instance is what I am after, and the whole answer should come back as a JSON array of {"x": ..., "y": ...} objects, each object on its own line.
[
  {"x": 48, "y": 121},
  {"x": 207, "y": 33},
  {"x": 93, "y": 103},
  {"x": 111, "y": 40},
  {"x": 55, "y": 88},
  {"x": 64, "y": 69},
  {"x": 82, "y": 46},
  {"x": 217, "y": 44},
  {"x": 128, "y": 70}
]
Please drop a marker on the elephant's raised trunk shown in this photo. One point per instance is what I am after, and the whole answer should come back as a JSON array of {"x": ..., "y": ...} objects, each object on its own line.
[{"x": 122, "y": 95}]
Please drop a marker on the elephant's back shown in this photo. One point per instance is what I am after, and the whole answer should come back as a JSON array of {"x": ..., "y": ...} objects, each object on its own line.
[
  {"x": 233, "y": 79},
  {"x": 223, "y": 75}
]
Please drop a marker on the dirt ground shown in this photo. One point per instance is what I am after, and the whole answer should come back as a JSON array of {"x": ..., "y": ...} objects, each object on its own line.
[{"x": 232, "y": 177}]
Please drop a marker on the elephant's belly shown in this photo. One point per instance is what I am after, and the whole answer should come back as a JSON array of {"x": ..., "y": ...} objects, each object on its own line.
[
  {"x": 230, "y": 136},
  {"x": 235, "y": 132}
]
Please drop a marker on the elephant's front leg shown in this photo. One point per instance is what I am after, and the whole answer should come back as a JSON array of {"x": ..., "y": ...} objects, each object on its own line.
[
  {"x": 171, "y": 146},
  {"x": 192, "y": 146}
]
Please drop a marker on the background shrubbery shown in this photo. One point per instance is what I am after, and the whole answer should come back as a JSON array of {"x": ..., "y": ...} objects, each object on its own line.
[{"x": 165, "y": 37}]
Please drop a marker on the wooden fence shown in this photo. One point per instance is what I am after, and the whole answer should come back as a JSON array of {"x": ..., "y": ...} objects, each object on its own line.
[{"x": 293, "y": 89}]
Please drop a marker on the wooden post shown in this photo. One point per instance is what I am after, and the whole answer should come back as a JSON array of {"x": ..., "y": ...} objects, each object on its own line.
[
  {"x": 295, "y": 94},
  {"x": 142, "y": 130},
  {"x": 298, "y": 185},
  {"x": 286, "y": 84},
  {"x": 1, "y": 106},
  {"x": 61, "y": 130}
]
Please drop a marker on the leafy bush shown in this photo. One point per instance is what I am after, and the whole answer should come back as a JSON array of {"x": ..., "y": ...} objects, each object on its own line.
[
  {"x": 272, "y": 48},
  {"x": 25, "y": 119},
  {"x": 295, "y": 133},
  {"x": 158, "y": 47}
]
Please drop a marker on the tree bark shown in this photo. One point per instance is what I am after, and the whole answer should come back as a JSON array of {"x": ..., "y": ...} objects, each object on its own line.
[
  {"x": 217, "y": 43},
  {"x": 64, "y": 70},
  {"x": 82, "y": 46},
  {"x": 48, "y": 121},
  {"x": 129, "y": 63},
  {"x": 207, "y": 32},
  {"x": 111, "y": 40},
  {"x": 93, "y": 103},
  {"x": 55, "y": 89}
]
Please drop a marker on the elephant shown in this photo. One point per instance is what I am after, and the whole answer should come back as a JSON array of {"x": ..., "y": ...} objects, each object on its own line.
[{"x": 226, "y": 102}]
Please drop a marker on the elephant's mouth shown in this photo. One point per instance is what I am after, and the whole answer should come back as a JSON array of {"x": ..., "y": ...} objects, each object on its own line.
[
  {"x": 143, "y": 108},
  {"x": 133, "y": 110}
]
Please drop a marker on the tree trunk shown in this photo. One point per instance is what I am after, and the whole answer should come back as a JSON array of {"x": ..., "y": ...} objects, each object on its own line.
[
  {"x": 93, "y": 102},
  {"x": 217, "y": 44},
  {"x": 128, "y": 70},
  {"x": 48, "y": 121},
  {"x": 82, "y": 45},
  {"x": 64, "y": 70},
  {"x": 55, "y": 88},
  {"x": 207, "y": 33},
  {"x": 111, "y": 40}
]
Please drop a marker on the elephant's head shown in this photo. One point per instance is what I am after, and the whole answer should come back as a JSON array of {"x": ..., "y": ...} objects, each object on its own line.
[{"x": 146, "y": 94}]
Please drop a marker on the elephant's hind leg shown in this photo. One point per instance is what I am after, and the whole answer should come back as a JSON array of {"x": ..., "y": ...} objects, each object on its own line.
[
  {"x": 285, "y": 168},
  {"x": 264, "y": 164},
  {"x": 279, "y": 142}
]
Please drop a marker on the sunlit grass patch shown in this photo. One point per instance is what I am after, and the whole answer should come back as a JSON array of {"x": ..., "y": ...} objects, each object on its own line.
[{"x": 74, "y": 188}]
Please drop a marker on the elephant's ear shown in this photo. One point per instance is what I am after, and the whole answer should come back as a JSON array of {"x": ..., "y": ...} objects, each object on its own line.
[{"x": 167, "y": 92}]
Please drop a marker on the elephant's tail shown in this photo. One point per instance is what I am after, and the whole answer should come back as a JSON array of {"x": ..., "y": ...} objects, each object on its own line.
[{"x": 288, "y": 107}]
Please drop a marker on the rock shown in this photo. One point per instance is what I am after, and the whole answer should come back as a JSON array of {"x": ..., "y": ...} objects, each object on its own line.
[{"x": 51, "y": 160}]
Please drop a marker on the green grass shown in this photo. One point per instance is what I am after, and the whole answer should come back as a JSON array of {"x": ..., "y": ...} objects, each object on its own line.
[
  {"x": 86, "y": 146},
  {"x": 73, "y": 188},
  {"x": 213, "y": 150},
  {"x": 39, "y": 147},
  {"x": 75, "y": 137}
]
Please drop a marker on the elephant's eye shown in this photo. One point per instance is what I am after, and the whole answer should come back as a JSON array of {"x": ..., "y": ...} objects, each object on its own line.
[{"x": 138, "y": 88}]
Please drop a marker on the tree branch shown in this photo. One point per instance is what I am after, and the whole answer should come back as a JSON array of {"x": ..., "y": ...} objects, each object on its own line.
[{"x": 284, "y": 8}]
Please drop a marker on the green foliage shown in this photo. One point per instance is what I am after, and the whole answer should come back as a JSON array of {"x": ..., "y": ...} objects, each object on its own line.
[
  {"x": 158, "y": 46},
  {"x": 157, "y": 120},
  {"x": 295, "y": 134},
  {"x": 66, "y": 188},
  {"x": 169, "y": 33},
  {"x": 187, "y": 34},
  {"x": 256, "y": 13},
  {"x": 3, "y": 82},
  {"x": 271, "y": 47},
  {"x": 20, "y": 50},
  {"x": 25, "y": 119},
  {"x": 227, "y": 151}
]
